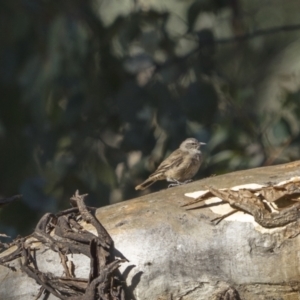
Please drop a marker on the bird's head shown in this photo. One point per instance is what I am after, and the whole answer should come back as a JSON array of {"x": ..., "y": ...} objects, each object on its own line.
[{"x": 190, "y": 143}]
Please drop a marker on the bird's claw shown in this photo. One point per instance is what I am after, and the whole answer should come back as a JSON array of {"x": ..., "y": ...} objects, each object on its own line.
[
  {"x": 177, "y": 183},
  {"x": 187, "y": 181},
  {"x": 172, "y": 185}
]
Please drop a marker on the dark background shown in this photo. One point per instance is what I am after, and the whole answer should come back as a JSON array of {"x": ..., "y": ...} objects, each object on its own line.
[{"x": 95, "y": 94}]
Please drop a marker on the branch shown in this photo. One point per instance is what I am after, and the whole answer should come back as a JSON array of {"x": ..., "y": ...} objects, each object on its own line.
[
  {"x": 211, "y": 41},
  {"x": 252, "y": 35}
]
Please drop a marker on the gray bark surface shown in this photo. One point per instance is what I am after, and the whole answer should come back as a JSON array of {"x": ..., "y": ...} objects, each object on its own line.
[{"x": 178, "y": 254}]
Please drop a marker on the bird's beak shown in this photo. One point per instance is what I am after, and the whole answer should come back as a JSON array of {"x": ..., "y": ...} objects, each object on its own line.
[{"x": 200, "y": 144}]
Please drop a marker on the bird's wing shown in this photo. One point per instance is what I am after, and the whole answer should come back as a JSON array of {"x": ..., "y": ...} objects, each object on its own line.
[{"x": 173, "y": 160}]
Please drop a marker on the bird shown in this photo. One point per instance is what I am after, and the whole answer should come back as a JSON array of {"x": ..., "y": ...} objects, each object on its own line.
[{"x": 179, "y": 167}]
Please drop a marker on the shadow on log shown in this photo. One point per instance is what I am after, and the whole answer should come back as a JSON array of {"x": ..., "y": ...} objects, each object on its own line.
[{"x": 173, "y": 252}]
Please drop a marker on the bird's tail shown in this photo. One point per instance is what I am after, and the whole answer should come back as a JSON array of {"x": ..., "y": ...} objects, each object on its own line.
[{"x": 145, "y": 184}]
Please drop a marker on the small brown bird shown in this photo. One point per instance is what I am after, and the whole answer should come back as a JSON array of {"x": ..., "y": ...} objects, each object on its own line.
[{"x": 179, "y": 167}]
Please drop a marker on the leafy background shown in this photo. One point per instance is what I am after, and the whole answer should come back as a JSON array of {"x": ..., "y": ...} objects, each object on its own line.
[{"x": 94, "y": 94}]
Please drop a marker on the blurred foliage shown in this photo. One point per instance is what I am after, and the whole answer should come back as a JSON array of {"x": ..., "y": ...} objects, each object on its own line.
[{"x": 93, "y": 98}]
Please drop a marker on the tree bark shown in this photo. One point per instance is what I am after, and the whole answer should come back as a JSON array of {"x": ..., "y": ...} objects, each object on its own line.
[{"x": 175, "y": 253}]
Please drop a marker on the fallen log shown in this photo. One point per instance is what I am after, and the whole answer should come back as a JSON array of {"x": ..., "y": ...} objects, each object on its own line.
[{"x": 167, "y": 249}]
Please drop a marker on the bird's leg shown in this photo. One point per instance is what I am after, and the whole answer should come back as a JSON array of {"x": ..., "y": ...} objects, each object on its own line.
[
  {"x": 174, "y": 182},
  {"x": 187, "y": 181},
  {"x": 177, "y": 183}
]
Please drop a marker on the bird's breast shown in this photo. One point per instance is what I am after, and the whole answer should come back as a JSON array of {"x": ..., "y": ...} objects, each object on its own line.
[{"x": 187, "y": 169}]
